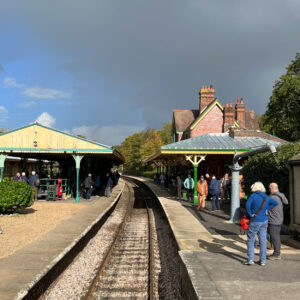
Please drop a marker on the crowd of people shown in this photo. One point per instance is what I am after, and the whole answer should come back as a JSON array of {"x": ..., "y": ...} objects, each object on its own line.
[
  {"x": 208, "y": 188},
  {"x": 33, "y": 181},
  {"x": 100, "y": 185},
  {"x": 264, "y": 213}
]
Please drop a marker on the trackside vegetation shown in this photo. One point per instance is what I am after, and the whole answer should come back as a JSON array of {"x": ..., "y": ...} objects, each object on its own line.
[
  {"x": 267, "y": 168},
  {"x": 14, "y": 195}
]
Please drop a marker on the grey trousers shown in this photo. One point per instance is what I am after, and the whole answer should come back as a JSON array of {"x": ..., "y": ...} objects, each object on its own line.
[
  {"x": 179, "y": 192},
  {"x": 274, "y": 231}
]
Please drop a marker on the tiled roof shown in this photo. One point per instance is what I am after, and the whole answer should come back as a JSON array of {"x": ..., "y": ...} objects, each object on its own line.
[
  {"x": 219, "y": 141},
  {"x": 183, "y": 118}
]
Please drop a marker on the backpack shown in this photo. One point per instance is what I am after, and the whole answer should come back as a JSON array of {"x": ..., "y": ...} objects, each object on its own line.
[{"x": 36, "y": 182}]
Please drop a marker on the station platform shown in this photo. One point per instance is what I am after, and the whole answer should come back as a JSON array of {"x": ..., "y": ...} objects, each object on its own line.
[
  {"x": 31, "y": 264},
  {"x": 212, "y": 251}
]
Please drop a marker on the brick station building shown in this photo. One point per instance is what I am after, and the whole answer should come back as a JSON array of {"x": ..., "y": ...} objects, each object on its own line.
[{"x": 212, "y": 117}]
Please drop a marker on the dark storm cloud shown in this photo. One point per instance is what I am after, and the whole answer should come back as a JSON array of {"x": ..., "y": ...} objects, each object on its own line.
[{"x": 154, "y": 56}]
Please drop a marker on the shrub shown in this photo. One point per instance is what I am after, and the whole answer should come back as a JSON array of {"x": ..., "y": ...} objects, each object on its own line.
[
  {"x": 15, "y": 195},
  {"x": 267, "y": 168}
]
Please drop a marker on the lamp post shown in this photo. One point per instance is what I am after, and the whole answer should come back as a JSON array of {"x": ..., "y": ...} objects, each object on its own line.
[{"x": 235, "y": 183}]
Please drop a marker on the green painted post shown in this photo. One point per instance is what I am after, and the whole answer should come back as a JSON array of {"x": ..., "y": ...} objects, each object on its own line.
[
  {"x": 2, "y": 160},
  {"x": 77, "y": 159},
  {"x": 195, "y": 184}
]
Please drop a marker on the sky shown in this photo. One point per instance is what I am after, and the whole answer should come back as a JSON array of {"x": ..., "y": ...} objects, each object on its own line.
[{"x": 109, "y": 68}]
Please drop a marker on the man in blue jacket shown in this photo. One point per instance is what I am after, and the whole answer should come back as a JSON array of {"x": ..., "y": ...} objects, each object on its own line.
[
  {"x": 214, "y": 190},
  {"x": 259, "y": 224}
]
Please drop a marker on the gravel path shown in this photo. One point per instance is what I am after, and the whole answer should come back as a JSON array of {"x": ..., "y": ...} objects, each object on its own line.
[{"x": 32, "y": 223}]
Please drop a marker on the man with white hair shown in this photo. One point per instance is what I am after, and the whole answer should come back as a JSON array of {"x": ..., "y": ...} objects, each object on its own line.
[
  {"x": 276, "y": 219},
  {"x": 34, "y": 182}
]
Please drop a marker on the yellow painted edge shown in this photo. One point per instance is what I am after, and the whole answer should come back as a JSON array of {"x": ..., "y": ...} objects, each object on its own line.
[
  {"x": 199, "y": 152},
  {"x": 236, "y": 124}
]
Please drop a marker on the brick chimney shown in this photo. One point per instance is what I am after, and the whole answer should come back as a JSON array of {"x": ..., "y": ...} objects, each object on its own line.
[
  {"x": 229, "y": 117},
  {"x": 206, "y": 96},
  {"x": 240, "y": 112}
]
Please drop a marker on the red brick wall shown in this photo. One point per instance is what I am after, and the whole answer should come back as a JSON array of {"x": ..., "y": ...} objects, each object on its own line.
[
  {"x": 211, "y": 123},
  {"x": 179, "y": 136}
]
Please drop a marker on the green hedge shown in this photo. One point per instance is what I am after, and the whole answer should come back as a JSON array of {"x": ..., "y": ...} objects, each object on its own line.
[
  {"x": 15, "y": 195},
  {"x": 267, "y": 168}
]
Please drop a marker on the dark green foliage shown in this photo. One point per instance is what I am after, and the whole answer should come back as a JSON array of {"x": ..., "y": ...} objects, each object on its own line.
[
  {"x": 142, "y": 145},
  {"x": 283, "y": 113},
  {"x": 267, "y": 168},
  {"x": 14, "y": 195}
]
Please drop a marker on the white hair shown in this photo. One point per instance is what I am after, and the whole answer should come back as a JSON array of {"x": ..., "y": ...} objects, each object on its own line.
[
  {"x": 33, "y": 172},
  {"x": 258, "y": 187}
]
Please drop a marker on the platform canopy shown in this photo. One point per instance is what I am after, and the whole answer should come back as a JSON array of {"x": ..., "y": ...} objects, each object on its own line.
[
  {"x": 211, "y": 143},
  {"x": 38, "y": 141},
  {"x": 216, "y": 149},
  {"x": 41, "y": 142}
]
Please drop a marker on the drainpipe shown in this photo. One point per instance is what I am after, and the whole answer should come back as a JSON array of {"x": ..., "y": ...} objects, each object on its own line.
[{"x": 235, "y": 184}]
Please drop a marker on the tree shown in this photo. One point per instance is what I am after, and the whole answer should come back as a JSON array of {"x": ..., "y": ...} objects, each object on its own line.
[
  {"x": 283, "y": 113},
  {"x": 166, "y": 133}
]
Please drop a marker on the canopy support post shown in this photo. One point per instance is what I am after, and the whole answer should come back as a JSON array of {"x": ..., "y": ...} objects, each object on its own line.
[
  {"x": 195, "y": 162},
  {"x": 2, "y": 160},
  {"x": 77, "y": 159}
]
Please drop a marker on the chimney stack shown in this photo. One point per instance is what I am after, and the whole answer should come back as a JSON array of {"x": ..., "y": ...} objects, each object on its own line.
[
  {"x": 229, "y": 114},
  {"x": 206, "y": 96},
  {"x": 240, "y": 112}
]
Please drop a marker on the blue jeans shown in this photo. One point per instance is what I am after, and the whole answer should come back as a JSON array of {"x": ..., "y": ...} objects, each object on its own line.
[
  {"x": 215, "y": 202},
  {"x": 260, "y": 229},
  {"x": 88, "y": 193}
]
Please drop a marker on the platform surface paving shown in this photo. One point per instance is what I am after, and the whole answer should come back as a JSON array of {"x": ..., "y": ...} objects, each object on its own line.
[
  {"x": 20, "y": 269},
  {"x": 213, "y": 251}
]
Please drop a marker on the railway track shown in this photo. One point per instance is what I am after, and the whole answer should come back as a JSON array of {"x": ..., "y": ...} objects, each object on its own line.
[
  {"x": 127, "y": 270},
  {"x": 133, "y": 256}
]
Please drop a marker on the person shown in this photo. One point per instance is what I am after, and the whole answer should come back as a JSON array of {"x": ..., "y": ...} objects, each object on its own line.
[
  {"x": 189, "y": 186},
  {"x": 179, "y": 185},
  {"x": 117, "y": 176},
  {"x": 97, "y": 185},
  {"x": 162, "y": 180},
  {"x": 108, "y": 185},
  {"x": 259, "y": 224},
  {"x": 88, "y": 185},
  {"x": 223, "y": 183},
  {"x": 24, "y": 177},
  {"x": 214, "y": 191},
  {"x": 276, "y": 219},
  {"x": 202, "y": 190},
  {"x": 17, "y": 177},
  {"x": 208, "y": 180},
  {"x": 34, "y": 182}
]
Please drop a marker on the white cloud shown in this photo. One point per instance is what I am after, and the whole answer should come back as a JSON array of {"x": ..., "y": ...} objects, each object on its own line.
[
  {"x": 44, "y": 93},
  {"x": 10, "y": 81},
  {"x": 3, "y": 114},
  {"x": 108, "y": 135},
  {"x": 46, "y": 120},
  {"x": 26, "y": 104}
]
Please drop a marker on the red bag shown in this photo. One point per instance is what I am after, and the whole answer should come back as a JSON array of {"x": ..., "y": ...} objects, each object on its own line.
[{"x": 244, "y": 223}]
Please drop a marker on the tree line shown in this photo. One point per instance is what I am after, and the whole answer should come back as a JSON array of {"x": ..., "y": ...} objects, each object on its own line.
[{"x": 143, "y": 144}]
